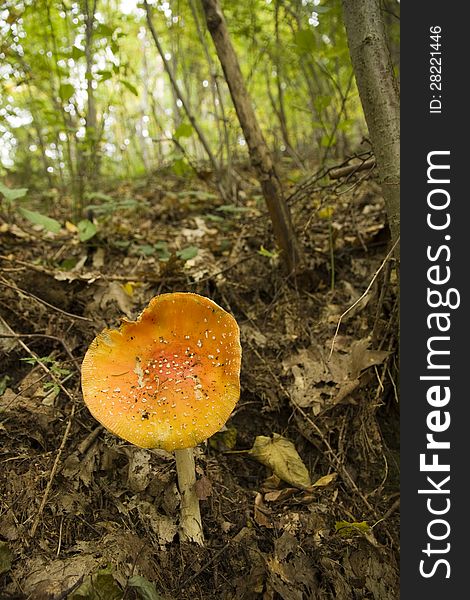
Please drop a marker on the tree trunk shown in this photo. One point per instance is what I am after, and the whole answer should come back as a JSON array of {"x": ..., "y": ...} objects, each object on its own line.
[
  {"x": 178, "y": 92},
  {"x": 91, "y": 140},
  {"x": 379, "y": 94},
  {"x": 259, "y": 151}
]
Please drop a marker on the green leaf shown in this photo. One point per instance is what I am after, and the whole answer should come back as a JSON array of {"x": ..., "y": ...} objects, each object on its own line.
[
  {"x": 320, "y": 9},
  {"x": 187, "y": 253},
  {"x": 184, "y": 130},
  {"x": 130, "y": 87},
  {"x": 279, "y": 454},
  {"x": 68, "y": 264},
  {"x": 304, "y": 41},
  {"x": 11, "y": 194},
  {"x": 231, "y": 208},
  {"x": 327, "y": 140},
  {"x": 98, "y": 586},
  {"x": 321, "y": 102},
  {"x": 66, "y": 91},
  {"x": 104, "y": 30},
  {"x": 180, "y": 167},
  {"x": 86, "y": 230},
  {"x": 144, "y": 589},
  {"x": 263, "y": 252},
  {"x": 162, "y": 250},
  {"x": 77, "y": 53},
  {"x": 5, "y": 558},
  {"x": 39, "y": 219},
  {"x": 105, "y": 75},
  {"x": 146, "y": 250},
  {"x": 214, "y": 218}
]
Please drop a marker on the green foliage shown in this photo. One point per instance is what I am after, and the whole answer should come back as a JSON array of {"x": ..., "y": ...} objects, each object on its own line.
[
  {"x": 232, "y": 209},
  {"x": 110, "y": 205},
  {"x": 39, "y": 219},
  {"x": 180, "y": 167},
  {"x": 143, "y": 588},
  {"x": 11, "y": 195},
  {"x": 130, "y": 87},
  {"x": 267, "y": 253},
  {"x": 97, "y": 586},
  {"x": 187, "y": 253},
  {"x": 86, "y": 230},
  {"x": 184, "y": 130},
  {"x": 54, "y": 75},
  {"x": 66, "y": 91},
  {"x": 304, "y": 41}
]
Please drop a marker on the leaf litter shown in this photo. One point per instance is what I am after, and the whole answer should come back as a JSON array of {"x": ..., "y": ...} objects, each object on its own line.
[{"x": 326, "y": 428}]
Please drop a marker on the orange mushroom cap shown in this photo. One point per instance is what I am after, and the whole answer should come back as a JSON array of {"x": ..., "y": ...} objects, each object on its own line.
[{"x": 168, "y": 380}]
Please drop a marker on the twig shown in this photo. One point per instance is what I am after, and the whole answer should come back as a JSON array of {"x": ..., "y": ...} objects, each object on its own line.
[
  {"x": 55, "y": 466},
  {"x": 336, "y": 461},
  {"x": 48, "y": 337},
  {"x": 40, "y": 300},
  {"x": 376, "y": 274},
  {"x": 348, "y": 170},
  {"x": 42, "y": 365},
  {"x": 206, "y": 565}
]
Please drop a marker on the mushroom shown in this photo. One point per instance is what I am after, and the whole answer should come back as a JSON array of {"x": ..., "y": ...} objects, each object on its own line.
[{"x": 168, "y": 380}]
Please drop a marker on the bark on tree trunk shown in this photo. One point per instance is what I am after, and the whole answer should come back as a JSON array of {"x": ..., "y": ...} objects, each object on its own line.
[
  {"x": 178, "y": 92},
  {"x": 259, "y": 151},
  {"x": 90, "y": 159},
  {"x": 380, "y": 98}
]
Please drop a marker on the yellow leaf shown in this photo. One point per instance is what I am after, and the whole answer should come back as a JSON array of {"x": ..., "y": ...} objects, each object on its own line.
[
  {"x": 279, "y": 454},
  {"x": 347, "y": 529},
  {"x": 325, "y": 480},
  {"x": 326, "y": 213},
  {"x": 129, "y": 287},
  {"x": 70, "y": 227}
]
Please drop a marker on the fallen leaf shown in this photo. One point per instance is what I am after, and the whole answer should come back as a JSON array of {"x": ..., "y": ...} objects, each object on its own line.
[
  {"x": 203, "y": 488},
  {"x": 362, "y": 358},
  {"x": 251, "y": 334},
  {"x": 325, "y": 480},
  {"x": 280, "y": 495},
  {"x": 164, "y": 527},
  {"x": 348, "y": 529},
  {"x": 260, "y": 512},
  {"x": 279, "y": 454},
  {"x": 140, "y": 470}
]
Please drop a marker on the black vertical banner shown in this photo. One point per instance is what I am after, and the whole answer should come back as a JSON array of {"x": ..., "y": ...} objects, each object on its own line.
[{"x": 434, "y": 353}]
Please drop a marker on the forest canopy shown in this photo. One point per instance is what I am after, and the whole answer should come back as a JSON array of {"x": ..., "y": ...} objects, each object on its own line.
[{"x": 82, "y": 83}]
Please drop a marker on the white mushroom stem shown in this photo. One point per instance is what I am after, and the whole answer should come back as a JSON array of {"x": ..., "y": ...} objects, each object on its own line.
[{"x": 190, "y": 520}]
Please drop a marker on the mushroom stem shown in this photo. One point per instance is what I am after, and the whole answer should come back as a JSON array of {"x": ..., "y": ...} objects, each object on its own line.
[{"x": 190, "y": 521}]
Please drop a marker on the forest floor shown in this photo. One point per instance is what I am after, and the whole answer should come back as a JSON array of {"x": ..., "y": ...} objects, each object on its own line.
[{"x": 85, "y": 515}]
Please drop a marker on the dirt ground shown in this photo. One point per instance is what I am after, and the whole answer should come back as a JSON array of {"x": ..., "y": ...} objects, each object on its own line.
[{"x": 85, "y": 515}]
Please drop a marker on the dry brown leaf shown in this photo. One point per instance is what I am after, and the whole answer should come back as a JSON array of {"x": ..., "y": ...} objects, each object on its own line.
[
  {"x": 362, "y": 358},
  {"x": 260, "y": 512},
  {"x": 140, "y": 470},
  {"x": 203, "y": 488},
  {"x": 280, "y": 495},
  {"x": 251, "y": 334}
]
